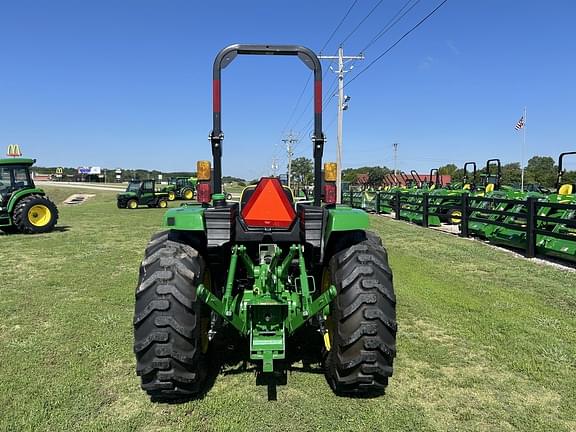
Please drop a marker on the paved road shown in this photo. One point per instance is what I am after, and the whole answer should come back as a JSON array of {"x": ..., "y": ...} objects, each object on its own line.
[{"x": 104, "y": 187}]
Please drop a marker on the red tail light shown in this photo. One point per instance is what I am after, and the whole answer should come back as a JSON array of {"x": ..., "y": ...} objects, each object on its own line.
[
  {"x": 203, "y": 192},
  {"x": 330, "y": 193}
]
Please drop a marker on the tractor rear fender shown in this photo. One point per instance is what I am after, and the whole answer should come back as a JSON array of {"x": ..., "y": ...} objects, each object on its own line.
[
  {"x": 18, "y": 195},
  {"x": 186, "y": 218},
  {"x": 346, "y": 219},
  {"x": 344, "y": 225}
]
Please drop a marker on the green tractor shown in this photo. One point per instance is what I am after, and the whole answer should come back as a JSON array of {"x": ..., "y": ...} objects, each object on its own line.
[
  {"x": 181, "y": 188},
  {"x": 142, "y": 192},
  {"x": 24, "y": 208},
  {"x": 265, "y": 280}
]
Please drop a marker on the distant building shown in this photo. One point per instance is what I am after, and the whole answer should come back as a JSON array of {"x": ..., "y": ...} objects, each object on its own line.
[{"x": 444, "y": 178}]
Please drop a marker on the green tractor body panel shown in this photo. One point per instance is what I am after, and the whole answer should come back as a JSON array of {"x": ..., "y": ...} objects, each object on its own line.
[
  {"x": 186, "y": 218},
  {"x": 127, "y": 195},
  {"x": 344, "y": 218},
  {"x": 16, "y": 196}
]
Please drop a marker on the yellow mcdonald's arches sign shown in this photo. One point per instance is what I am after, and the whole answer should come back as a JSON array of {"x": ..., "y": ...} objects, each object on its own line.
[
  {"x": 59, "y": 170},
  {"x": 14, "y": 150}
]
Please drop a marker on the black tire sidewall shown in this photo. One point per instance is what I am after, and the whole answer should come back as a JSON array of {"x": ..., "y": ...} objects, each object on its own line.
[{"x": 20, "y": 215}]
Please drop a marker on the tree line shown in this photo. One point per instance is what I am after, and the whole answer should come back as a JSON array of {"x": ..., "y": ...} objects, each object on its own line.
[{"x": 541, "y": 170}]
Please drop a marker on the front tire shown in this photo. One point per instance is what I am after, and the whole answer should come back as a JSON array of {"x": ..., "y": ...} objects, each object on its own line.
[
  {"x": 170, "y": 333},
  {"x": 171, "y": 196},
  {"x": 35, "y": 214},
  {"x": 362, "y": 325}
]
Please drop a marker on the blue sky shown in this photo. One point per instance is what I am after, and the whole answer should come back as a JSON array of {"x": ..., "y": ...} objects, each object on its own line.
[{"x": 128, "y": 83}]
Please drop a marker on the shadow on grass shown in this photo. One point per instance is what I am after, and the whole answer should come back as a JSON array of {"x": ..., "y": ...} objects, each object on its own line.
[
  {"x": 62, "y": 228},
  {"x": 12, "y": 231}
]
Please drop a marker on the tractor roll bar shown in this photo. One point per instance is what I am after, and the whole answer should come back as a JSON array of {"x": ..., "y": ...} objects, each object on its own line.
[
  {"x": 436, "y": 174},
  {"x": 498, "y": 164},
  {"x": 416, "y": 178},
  {"x": 309, "y": 58},
  {"x": 473, "y": 172},
  {"x": 560, "y": 167}
]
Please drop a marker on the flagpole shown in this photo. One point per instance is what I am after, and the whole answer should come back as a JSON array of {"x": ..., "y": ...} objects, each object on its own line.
[{"x": 523, "y": 151}]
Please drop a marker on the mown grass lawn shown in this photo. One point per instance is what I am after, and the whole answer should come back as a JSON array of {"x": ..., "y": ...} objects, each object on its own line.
[{"x": 487, "y": 341}]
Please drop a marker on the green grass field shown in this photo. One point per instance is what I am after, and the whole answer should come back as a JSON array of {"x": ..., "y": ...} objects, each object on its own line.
[{"x": 487, "y": 341}]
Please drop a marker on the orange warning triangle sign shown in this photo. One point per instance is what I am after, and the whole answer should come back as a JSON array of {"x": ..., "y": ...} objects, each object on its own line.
[{"x": 269, "y": 206}]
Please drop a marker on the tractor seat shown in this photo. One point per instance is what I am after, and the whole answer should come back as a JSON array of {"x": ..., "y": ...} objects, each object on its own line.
[
  {"x": 490, "y": 187},
  {"x": 566, "y": 189}
]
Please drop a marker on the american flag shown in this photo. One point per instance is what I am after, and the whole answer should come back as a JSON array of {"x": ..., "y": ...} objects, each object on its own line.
[{"x": 520, "y": 123}]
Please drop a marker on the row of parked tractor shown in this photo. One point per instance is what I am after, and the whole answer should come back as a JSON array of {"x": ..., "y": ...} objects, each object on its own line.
[
  {"x": 529, "y": 218},
  {"x": 148, "y": 193}
]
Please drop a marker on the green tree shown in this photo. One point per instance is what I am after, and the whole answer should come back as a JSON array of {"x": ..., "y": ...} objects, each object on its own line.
[
  {"x": 449, "y": 169},
  {"x": 511, "y": 173},
  {"x": 541, "y": 170},
  {"x": 302, "y": 171},
  {"x": 376, "y": 175}
]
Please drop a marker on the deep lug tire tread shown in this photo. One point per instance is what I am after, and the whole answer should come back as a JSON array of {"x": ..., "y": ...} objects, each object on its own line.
[
  {"x": 364, "y": 340},
  {"x": 20, "y": 214},
  {"x": 167, "y": 340}
]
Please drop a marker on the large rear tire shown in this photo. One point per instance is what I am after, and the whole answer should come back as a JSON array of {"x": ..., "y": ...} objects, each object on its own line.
[
  {"x": 362, "y": 325},
  {"x": 35, "y": 214},
  {"x": 170, "y": 323}
]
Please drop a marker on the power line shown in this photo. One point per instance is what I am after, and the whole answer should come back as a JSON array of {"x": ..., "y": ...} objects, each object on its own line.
[
  {"x": 310, "y": 76},
  {"x": 361, "y": 22},
  {"x": 396, "y": 43},
  {"x": 391, "y": 23},
  {"x": 297, "y": 103},
  {"x": 338, "y": 26}
]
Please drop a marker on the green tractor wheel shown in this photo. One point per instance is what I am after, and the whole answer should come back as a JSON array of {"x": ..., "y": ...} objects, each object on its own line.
[
  {"x": 171, "y": 196},
  {"x": 170, "y": 324},
  {"x": 162, "y": 203},
  {"x": 35, "y": 214},
  {"x": 188, "y": 194},
  {"x": 132, "y": 204},
  {"x": 362, "y": 326}
]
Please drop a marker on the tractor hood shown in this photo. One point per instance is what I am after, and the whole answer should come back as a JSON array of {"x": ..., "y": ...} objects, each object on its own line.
[{"x": 126, "y": 195}]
